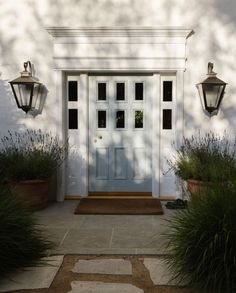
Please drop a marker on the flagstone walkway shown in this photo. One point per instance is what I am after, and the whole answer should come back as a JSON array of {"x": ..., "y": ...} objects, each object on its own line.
[
  {"x": 98, "y": 254},
  {"x": 102, "y": 234},
  {"x": 98, "y": 274}
]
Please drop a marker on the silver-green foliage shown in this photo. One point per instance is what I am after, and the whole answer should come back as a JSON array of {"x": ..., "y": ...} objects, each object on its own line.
[
  {"x": 206, "y": 157},
  {"x": 30, "y": 154},
  {"x": 202, "y": 241},
  {"x": 22, "y": 243}
]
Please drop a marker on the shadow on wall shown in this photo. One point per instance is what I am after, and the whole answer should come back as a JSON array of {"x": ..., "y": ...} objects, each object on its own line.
[
  {"x": 227, "y": 9},
  {"x": 214, "y": 41},
  {"x": 23, "y": 37},
  {"x": 9, "y": 117}
]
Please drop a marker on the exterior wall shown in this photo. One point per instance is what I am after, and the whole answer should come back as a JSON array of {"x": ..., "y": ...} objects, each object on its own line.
[{"x": 23, "y": 37}]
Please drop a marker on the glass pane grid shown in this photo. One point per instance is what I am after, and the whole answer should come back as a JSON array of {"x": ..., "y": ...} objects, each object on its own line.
[
  {"x": 120, "y": 91},
  {"x": 138, "y": 119},
  {"x": 139, "y": 91},
  {"x": 102, "y": 91},
  {"x": 167, "y": 91},
  {"x": 167, "y": 119},
  {"x": 101, "y": 119},
  {"x": 120, "y": 119},
  {"x": 73, "y": 119},
  {"x": 72, "y": 91}
]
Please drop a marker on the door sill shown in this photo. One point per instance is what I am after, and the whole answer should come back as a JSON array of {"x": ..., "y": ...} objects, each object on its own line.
[{"x": 120, "y": 194}]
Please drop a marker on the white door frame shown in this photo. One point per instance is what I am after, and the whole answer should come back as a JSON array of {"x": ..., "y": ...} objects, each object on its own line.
[
  {"x": 114, "y": 50},
  {"x": 157, "y": 132}
]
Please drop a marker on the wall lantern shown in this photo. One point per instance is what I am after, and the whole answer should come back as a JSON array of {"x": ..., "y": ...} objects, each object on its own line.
[
  {"x": 26, "y": 89},
  {"x": 212, "y": 91}
]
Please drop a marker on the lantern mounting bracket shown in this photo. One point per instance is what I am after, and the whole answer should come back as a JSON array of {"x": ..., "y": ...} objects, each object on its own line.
[{"x": 26, "y": 72}]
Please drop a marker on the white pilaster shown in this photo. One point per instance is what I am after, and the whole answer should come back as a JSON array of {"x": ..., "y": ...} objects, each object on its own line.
[
  {"x": 59, "y": 81},
  {"x": 155, "y": 136},
  {"x": 84, "y": 134}
]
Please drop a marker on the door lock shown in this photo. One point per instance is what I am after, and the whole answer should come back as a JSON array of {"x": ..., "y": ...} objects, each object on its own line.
[{"x": 100, "y": 137}]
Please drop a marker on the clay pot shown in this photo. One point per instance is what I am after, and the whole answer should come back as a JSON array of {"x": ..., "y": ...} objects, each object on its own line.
[
  {"x": 33, "y": 192},
  {"x": 195, "y": 187}
]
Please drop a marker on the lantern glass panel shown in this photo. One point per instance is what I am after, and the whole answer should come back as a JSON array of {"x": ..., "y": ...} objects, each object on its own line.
[
  {"x": 213, "y": 94},
  {"x": 35, "y": 97},
  {"x": 23, "y": 93}
]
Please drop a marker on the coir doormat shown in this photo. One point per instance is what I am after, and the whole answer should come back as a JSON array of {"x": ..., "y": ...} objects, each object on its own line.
[{"x": 119, "y": 206}]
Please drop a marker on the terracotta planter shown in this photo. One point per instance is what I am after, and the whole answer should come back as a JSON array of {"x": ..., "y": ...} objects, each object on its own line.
[
  {"x": 195, "y": 187},
  {"x": 33, "y": 192}
]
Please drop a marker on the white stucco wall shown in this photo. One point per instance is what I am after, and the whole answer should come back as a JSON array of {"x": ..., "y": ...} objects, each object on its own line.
[{"x": 23, "y": 37}]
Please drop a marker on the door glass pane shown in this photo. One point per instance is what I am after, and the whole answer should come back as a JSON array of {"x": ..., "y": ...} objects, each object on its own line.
[
  {"x": 167, "y": 91},
  {"x": 72, "y": 91},
  {"x": 120, "y": 119},
  {"x": 139, "y": 91},
  {"x": 73, "y": 119},
  {"x": 102, "y": 91},
  {"x": 120, "y": 91},
  {"x": 102, "y": 119},
  {"x": 167, "y": 119},
  {"x": 138, "y": 119}
]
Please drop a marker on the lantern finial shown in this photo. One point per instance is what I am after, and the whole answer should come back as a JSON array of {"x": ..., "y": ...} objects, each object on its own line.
[{"x": 210, "y": 68}]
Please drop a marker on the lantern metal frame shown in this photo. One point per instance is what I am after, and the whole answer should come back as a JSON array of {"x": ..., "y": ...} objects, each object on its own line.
[
  {"x": 31, "y": 84},
  {"x": 216, "y": 85}
]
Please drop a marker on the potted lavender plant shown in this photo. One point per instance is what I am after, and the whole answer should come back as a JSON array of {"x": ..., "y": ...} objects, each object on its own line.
[{"x": 28, "y": 162}]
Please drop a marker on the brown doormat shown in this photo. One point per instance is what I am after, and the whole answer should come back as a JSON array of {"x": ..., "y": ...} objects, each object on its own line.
[{"x": 119, "y": 206}]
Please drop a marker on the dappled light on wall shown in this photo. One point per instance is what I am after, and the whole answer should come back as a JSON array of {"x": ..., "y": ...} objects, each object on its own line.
[
  {"x": 211, "y": 91},
  {"x": 28, "y": 92}
]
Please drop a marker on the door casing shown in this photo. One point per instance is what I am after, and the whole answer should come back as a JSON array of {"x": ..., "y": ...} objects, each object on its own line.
[{"x": 157, "y": 132}]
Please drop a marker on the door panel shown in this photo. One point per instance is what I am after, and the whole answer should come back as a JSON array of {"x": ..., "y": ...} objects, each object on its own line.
[
  {"x": 139, "y": 163},
  {"x": 120, "y": 133},
  {"x": 120, "y": 163},
  {"x": 102, "y": 159}
]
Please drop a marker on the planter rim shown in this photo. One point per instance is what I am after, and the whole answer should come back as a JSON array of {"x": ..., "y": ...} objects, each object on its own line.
[
  {"x": 201, "y": 181},
  {"x": 198, "y": 181},
  {"x": 28, "y": 181}
]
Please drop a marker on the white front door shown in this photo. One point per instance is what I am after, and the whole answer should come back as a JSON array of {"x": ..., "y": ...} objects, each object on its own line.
[{"x": 120, "y": 133}]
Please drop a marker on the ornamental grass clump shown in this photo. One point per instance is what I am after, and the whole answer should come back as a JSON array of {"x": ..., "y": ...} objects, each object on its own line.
[
  {"x": 30, "y": 154},
  {"x": 208, "y": 157},
  {"x": 22, "y": 243},
  {"x": 202, "y": 241}
]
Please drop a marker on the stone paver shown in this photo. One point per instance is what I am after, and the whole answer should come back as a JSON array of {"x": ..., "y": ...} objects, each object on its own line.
[
  {"x": 35, "y": 277},
  {"x": 159, "y": 272},
  {"x": 100, "y": 287},
  {"x": 102, "y": 234},
  {"x": 104, "y": 266}
]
